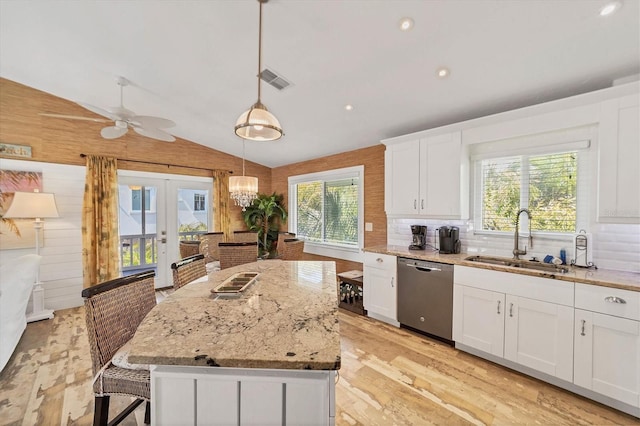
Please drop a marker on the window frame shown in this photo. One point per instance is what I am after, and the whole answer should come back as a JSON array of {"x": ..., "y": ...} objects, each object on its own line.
[
  {"x": 491, "y": 150},
  {"x": 199, "y": 200},
  {"x": 143, "y": 200},
  {"x": 339, "y": 251}
]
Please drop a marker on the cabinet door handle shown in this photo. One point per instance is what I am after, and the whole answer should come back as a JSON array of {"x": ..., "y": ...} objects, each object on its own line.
[
  {"x": 582, "y": 331},
  {"x": 392, "y": 278},
  {"x": 415, "y": 204},
  {"x": 498, "y": 307},
  {"x": 422, "y": 204},
  {"x": 511, "y": 310},
  {"x": 615, "y": 299}
]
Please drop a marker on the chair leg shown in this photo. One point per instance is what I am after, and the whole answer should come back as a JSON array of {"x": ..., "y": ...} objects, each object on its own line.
[
  {"x": 147, "y": 413},
  {"x": 101, "y": 411}
]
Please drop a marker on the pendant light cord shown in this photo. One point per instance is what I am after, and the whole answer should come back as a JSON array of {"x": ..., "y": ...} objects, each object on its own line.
[
  {"x": 243, "y": 155},
  {"x": 259, "y": 48}
]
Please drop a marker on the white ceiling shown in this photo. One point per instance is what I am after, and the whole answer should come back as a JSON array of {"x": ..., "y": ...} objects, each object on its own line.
[{"x": 195, "y": 62}]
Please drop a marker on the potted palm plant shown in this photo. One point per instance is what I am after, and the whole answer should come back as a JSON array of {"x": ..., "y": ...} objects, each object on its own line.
[{"x": 265, "y": 215}]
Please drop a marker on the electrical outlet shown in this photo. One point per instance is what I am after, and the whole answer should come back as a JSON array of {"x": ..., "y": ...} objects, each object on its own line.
[{"x": 368, "y": 226}]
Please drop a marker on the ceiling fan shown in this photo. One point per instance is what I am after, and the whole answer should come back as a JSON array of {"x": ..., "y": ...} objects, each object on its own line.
[{"x": 123, "y": 119}]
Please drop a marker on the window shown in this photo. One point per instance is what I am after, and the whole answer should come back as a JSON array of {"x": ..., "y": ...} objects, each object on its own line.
[
  {"x": 136, "y": 199},
  {"x": 198, "y": 202},
  {"x": 546, "y": 184},
  {"x": 326, "y": 210}
]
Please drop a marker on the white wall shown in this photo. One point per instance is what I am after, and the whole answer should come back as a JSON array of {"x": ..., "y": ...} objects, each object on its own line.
[{"x": 61, "y": 267}]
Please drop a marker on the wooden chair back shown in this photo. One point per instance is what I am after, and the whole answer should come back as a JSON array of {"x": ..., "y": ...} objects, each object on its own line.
[
  {"x": 209, "y": 245},
  {"x": 233, "y": 254},
  {"x": 188, "y": 269},
  {"x": 293, "y": 249}
]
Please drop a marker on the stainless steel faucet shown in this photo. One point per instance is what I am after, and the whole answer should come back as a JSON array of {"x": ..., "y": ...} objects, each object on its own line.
[{"x": 516, "y": 249}]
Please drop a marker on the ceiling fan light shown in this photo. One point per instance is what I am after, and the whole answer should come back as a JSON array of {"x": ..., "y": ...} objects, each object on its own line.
[{"x": 258, "y": 124}]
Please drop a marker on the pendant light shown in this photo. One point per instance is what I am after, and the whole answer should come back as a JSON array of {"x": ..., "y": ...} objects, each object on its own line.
[
  {"x": 243, "y": 189},
  {"x": 258, "y": 124}
]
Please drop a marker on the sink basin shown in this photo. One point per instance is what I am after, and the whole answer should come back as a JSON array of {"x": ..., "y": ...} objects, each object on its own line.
[{"x": 526, "y": 264}]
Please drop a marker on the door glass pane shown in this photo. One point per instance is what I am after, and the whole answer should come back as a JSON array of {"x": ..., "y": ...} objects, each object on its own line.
[
  {"x": 138, "y": 250},
  {"x": 193, "y": 213}
]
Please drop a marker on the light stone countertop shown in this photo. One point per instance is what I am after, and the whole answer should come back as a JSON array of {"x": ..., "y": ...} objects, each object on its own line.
[
  {"x": 600, "y": 277},
  {"x": 287, "y": 319}
]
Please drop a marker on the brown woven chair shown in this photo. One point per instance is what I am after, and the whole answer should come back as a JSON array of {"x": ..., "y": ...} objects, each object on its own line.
[
  {"x": 245, "y": 236},
  {"x": 280, "y": 244},
  {"x": 189, "y": 248},
  {"x": 209, "y": 245},
  {"x": 292, "y": 249},
  {"x": 187, "y": 270},
  {"x": 233, "y": 254},
  {"x": 114, "y": 310}
]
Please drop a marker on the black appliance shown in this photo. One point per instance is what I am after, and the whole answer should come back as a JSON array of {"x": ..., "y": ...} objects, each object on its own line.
[
  {"x": 419, "y": 241},
  {"x": 449, "y": 239}
]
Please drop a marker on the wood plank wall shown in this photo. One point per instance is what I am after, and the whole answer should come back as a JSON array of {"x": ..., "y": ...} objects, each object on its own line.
[
  {"x": 372, "y": 159},
  {"x": 61, "y": 141}
]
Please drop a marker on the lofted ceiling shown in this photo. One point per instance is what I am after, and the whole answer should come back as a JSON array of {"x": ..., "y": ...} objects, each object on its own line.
[{"x": 195, "y": 62}]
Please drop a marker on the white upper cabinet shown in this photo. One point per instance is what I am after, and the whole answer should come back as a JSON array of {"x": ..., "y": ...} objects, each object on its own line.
[
  {"x": 425, "y": 177},
  {"x": 618, "y": 156}
]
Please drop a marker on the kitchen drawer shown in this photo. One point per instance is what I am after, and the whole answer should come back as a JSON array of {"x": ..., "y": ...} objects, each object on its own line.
[
  {"x": 603, "y": 299},
  {"x": 380, "y": 261}
]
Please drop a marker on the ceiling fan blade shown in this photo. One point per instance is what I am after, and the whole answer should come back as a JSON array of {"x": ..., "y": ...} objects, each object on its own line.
[
  {"x": 152, "y": 122},
  {"x": 113, "y": 132},
  {"x": 75, "y": 117},
  {"x": 98, "y": 110},
  {"x": 154, "y": 134}
]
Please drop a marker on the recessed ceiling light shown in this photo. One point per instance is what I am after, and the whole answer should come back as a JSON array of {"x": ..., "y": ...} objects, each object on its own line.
[
  {"x": 442, "y": 72},
  {"x": 406, "y": 24},
  {"x": 609, "y": 8},
  {"x": 348, "y": 107}
]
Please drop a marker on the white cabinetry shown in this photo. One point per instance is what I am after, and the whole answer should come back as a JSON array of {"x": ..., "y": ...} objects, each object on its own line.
[
  {"x": 607, "y": 342},
  {"x": 524, "y": 319},
  {"x": 379, "y": 287},
  {"x": 235, "y": 396},
  {"x": 426, "y": 177},
  {"x": 618, "y": 154}
]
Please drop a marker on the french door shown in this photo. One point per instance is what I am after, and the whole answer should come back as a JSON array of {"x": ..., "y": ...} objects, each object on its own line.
[{"x": 156, "y": 212}]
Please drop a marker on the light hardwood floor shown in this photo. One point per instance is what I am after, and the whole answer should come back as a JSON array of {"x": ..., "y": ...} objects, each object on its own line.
[{"x": 389, "y": 376}]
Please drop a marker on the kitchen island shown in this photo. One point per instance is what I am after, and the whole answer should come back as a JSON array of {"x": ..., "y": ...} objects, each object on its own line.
[{"x": 268, "y": 356}]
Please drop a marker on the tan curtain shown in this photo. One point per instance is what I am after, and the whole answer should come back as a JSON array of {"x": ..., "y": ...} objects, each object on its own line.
[
  {"x": 100, "y": 238},
  {"x": 221, "y": 199}
]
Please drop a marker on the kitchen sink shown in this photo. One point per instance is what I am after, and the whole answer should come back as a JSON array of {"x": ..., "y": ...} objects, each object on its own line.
[{"x": 518, "y": 263}]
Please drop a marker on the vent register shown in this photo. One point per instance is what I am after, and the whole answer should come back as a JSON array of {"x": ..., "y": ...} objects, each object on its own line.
[{"x": 272, "y": 78}]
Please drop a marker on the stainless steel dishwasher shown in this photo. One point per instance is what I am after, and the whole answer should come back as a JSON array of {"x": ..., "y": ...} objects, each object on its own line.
[{"x": 425, "y": 296}]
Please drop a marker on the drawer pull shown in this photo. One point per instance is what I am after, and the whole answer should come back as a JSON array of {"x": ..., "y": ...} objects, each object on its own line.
[
  {"x": 379, "y": 260},
  {"x": 582, "y": 332},
  {"x": 615, "y": 299}
]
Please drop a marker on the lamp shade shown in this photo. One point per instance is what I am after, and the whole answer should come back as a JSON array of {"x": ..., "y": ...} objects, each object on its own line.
[
  {"x": 239, "y": 184},
  {"x": 258, "y": 124},
  {"x": 32, "y": 205}
]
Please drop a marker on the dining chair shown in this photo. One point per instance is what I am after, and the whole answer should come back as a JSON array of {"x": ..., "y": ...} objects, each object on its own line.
[
  {"x": 280, "y": 243},
  {"x": 209, "y": 245},
  {"x": 292, "y": 249},
  {"x": 233, "y": 254},
  {"x": 189, "y": 248},
  {"x": 114, "y": 309},
  {"x": 188, "y": 269},
  {"x": 245, "y": 236}
]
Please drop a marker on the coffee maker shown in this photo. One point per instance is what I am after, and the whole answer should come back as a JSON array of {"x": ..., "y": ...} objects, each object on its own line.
[
  {"x": 419, "y": 237},
  {"x": 449, "y": 239}
]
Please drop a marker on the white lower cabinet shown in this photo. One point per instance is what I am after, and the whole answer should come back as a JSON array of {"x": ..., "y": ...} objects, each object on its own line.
[
  {"x": 479, "y": 319},
  {"x": 235, "y": 396},
  {"x": 379, "y": 287},
  {"x": 539, "y": 335}
]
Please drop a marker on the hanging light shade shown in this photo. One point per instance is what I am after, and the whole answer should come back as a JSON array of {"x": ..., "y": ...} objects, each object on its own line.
[
  {"x": 258, "y": 124},
  {"x": 243, "y": 189}
]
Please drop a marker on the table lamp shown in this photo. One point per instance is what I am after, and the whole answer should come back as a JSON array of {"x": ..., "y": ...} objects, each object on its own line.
[{"x": 38, "y": 205}]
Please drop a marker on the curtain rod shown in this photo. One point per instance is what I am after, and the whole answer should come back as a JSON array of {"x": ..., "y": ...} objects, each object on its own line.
[{"x": 162, "y": 164}]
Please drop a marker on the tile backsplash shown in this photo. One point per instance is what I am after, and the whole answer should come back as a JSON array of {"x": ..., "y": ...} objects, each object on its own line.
[{"x": 612, "y": 246}]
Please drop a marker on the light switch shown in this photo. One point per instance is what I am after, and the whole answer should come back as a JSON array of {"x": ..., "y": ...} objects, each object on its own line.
[{"x": 368, "y": 226}]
